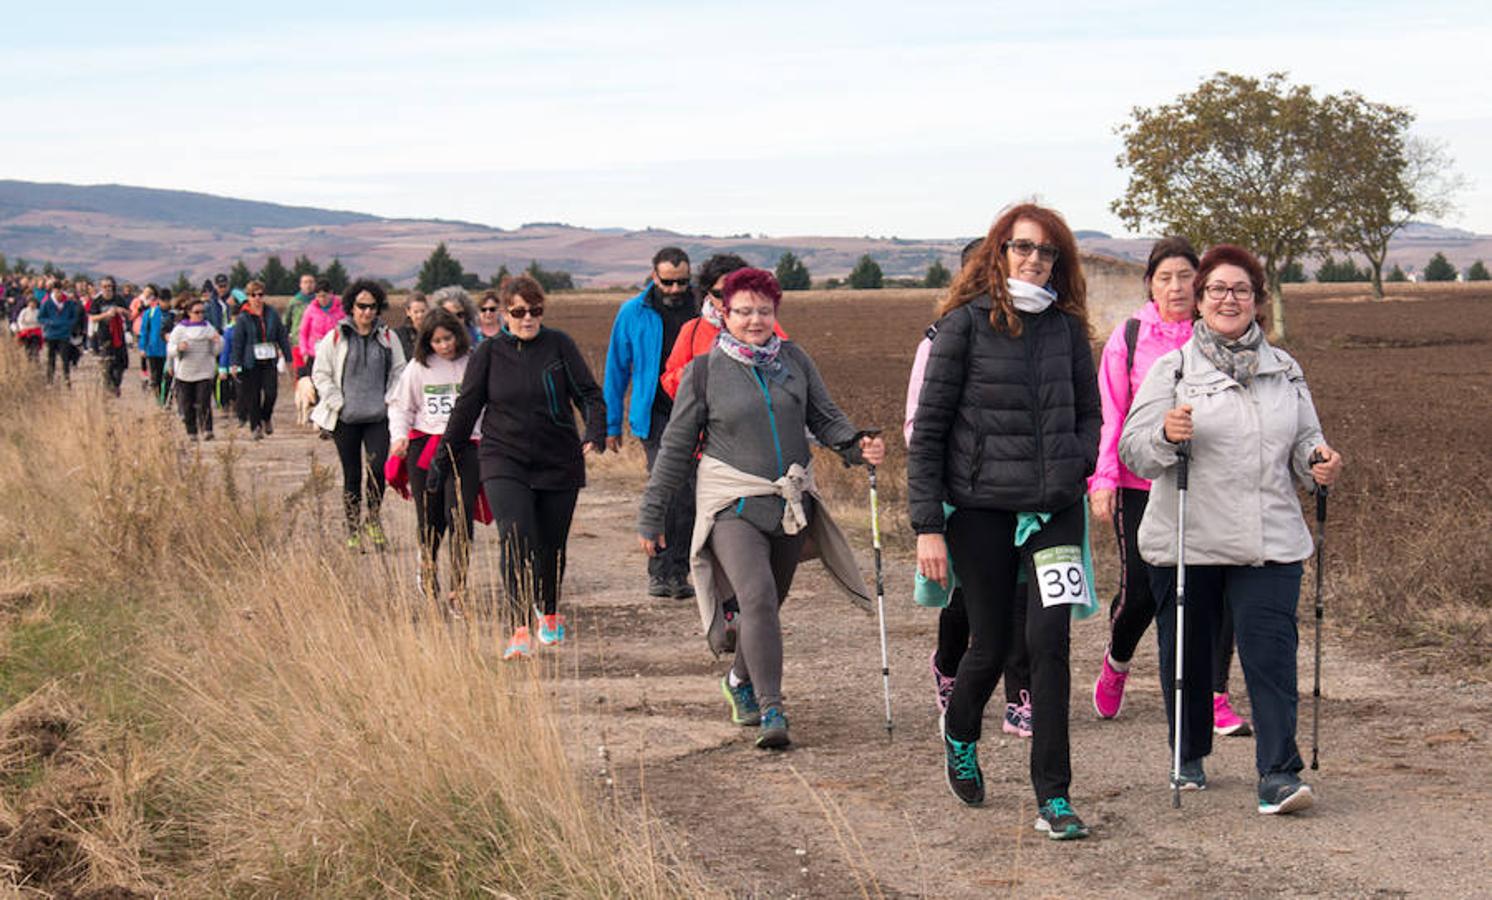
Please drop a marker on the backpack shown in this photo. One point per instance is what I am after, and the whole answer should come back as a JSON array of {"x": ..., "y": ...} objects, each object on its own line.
[{"x": 1131, "y": 338}]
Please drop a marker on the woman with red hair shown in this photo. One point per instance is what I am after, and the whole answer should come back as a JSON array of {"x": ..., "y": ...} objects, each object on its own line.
[
  {"x": 751, "y": 400},
  {"x": 1244, "y": 409},
  {"x": 1006, "y": 433}
]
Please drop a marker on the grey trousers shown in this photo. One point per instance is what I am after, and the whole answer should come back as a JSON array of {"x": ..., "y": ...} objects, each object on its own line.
[{"x": 760, "y": 569}]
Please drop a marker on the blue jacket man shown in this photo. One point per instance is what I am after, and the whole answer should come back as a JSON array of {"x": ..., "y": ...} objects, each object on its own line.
[
  {"x": 58, "y": 320},
  {"x": 641, "y": 336}
]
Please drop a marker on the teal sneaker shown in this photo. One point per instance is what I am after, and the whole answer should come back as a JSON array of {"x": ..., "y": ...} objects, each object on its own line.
[
  {"x": 961, "y": 767},
  {"x": 376, "y": 537},
  {"x": 1059, "y": 822},
  {"x": 773, "y": 734},
  {"x": 742, "y": 700},
  {"x": 1193, "y": 777},
  {"x": 1284, "y": 793},
  {"x": 551, "y": 629}
]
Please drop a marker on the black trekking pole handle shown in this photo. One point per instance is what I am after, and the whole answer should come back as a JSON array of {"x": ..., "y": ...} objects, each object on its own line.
[
  {"x": 1183, "y": 463},
  {"x": 859, "y": 435}
]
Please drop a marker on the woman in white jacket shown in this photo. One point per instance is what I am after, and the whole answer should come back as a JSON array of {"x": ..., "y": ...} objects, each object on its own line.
[
  {"x": 192, "y": 356},
  {"x": 418, "y": 412},
  {"x": 1245, "y": 409}
]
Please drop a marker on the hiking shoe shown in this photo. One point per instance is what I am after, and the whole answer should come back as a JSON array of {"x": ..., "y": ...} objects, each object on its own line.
[
  {"x": 1059, "y": 822},
  {"x": 1281, "y": 794},
  {"x": 773, "y": 734},
  {"x": 961, "y": 766},
  {"x": 355, "y": 542},
  {"x": 1108, "y": 690},
  {"x": 942, "y": 685},
  {"x": 518, "y": 645},
  {"x": 1193, "y": 778},
  {"x": 375, "y": 534},
  {"x": 259, "y": 434},
  {"x": 269, "y": 428},
  {"x": 1018, "y": 717},
  {"x": 742, "y": 700},
  {"x": 1225, "y": 721},
  {"x": 551, "y": 629},
  {"x": 681, "y": 589},
  {"x": 659, "y": 587}
]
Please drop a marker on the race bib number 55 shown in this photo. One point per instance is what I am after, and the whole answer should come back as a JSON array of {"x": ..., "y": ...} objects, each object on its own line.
[
  {"x": 440, "y": 398},
  {"x": 1059, "y": 575}
]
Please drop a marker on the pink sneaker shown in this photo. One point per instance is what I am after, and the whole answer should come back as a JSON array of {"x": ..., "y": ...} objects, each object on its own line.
[
  {"x": 1108, "y": 690},
  {"x": 1018, "y": 717},
  {"x": 942, "y": 684},
  {"x": 1227, "y": 722}
]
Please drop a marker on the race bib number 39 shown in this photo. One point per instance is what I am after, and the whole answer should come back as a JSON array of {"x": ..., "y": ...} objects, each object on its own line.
[
  {"x": 1059, "y": 576},
  {"x": 440, "y": 398}
]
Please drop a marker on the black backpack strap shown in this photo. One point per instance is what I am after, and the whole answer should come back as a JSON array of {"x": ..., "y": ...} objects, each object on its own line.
[{"x": 1131, "y": 338}]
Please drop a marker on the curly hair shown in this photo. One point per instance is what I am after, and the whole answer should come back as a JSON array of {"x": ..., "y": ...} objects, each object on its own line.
[
  {"x": 986, "y": 271},
  {"x": 453, "y": 293},
  {"x": 356, "y": 289}
]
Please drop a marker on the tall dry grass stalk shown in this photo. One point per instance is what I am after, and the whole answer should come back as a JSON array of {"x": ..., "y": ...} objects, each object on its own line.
[{"x": 287, "y": 730}]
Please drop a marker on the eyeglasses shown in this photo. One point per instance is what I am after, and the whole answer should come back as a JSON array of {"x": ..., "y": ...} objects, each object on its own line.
[
  {"x": 365, "y": 305},
  {"x": 1217, "y": 291},
  {"x": 746, "y": 312},
  {"x": 489, "y": 309},
  {"x": 674, "y": 282},
  {"x": 523, "y": 312},
  {"x": 1023, "y": 248}
]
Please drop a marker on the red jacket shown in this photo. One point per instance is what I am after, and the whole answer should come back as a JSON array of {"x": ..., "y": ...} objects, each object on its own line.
[{"x": 695, "y": 339}]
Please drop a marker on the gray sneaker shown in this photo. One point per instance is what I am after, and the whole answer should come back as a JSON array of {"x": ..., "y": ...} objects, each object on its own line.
[
  {"x": 1284, "y": 793},
  {"x": 1192, "y": 777}
]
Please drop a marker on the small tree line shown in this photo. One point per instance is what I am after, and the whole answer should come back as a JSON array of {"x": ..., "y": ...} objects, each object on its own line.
[{"x": 441, "y": 269}]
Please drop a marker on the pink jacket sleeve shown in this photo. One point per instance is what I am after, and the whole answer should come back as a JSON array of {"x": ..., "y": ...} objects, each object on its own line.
[
  {"x": 307, "y": 349},
  {"x": 914, "y": 386},
  {"x": 1114, "y": 389}
]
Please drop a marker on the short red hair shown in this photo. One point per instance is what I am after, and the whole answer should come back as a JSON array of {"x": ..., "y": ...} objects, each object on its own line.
[
  {"x": 1233, "y": 255},
  {"x": 756, "y": 281}
]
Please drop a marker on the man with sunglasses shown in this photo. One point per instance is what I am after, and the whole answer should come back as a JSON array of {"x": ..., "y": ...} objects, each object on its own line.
[
  {"x": 644, "y": 331},
  {"x": 260, "y": 347}
]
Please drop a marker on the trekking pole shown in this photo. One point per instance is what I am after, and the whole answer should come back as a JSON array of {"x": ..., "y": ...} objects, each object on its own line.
[
  {"x": 1183, "y": 463},
  {"x": 875, "y": 539},
  {"x": 1321, "y": 493}
]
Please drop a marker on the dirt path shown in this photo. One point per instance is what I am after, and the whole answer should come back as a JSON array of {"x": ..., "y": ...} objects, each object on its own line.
[{"x": 1404, "y": 792}]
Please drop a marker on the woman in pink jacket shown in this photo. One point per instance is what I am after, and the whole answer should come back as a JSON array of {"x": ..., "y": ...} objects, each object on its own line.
[
  {"x": 320, "y": 317},
  {"x": 1114, "y": 492}
]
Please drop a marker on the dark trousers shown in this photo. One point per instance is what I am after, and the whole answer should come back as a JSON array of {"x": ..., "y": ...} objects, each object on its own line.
[
  {"x": 1263, "y": 600},
  {"x": 450, "y": 510},
  {"x": 362, "y": 448},
  {"x": 226, "y": 390},
  {"x": 533, "y": 528},
  {"x": 157, "y": 367},
  {"x": 953, "y": 642},
  {"x": 981, "y": 546},
  {"x": 671, "y": 563},
  {"x": 259, "y": 387},
  {"x": 194, "y": 402},
  {"x": 64, "y": 349},
  {"x": 1133, "y": 608},
  {"x": 116, "y": 362},
  {"x": 759, "y": 567}
]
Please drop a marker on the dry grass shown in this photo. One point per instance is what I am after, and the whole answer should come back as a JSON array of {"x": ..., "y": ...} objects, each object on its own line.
[{"x": 213, "y": 704}]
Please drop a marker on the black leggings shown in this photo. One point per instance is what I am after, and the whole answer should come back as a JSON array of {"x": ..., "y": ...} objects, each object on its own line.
[
  {"x": 533, "y": 527},
  {"x": 352, "y": 440},
  {"x": 116, "y": 362},
  {"x": 953, "y": 641},
  {"x": 194, "y": 401},
  {"x": 62, "y": 348},
  {"x": 157, "y": 367},
  {"x": 259, "y": 387},
  {"x": 452, "y": 511},
  {"x": 1134, "y": 605}
]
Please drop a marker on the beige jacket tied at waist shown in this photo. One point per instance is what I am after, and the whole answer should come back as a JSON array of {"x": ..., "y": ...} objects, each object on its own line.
[{"x": 717, "y": 486}]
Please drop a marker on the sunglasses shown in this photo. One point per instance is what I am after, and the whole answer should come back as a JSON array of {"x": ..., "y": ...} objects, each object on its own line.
[
  {"x": 365, "y": 305},
  {"x": 674, "y": 282},
  {"x": 1023, "y": 248},
  {"x": 717, "y": 293},
  {"x": 523, "y": 312},
  {"x": 256, "y": 293},
  {"x": 489, "y": 309}
]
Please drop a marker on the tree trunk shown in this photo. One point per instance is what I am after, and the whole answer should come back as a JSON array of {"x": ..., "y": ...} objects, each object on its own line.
[
  {"x": 1276, "y": 301},
  {"x": 1377, "y": 281}
]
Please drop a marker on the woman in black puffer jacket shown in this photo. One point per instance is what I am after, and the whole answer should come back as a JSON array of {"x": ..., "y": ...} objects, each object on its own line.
[{"x": 1006, "y": 432}]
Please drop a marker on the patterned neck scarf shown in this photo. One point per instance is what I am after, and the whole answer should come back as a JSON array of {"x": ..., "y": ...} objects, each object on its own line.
[
  {"x": 1239, "y": 358},
  {"x": 763, "y": 357},
  {"x": 710, "y": 314}
]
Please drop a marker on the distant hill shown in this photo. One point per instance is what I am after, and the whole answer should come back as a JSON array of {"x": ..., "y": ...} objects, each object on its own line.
[{"x": 148, "y": 234}]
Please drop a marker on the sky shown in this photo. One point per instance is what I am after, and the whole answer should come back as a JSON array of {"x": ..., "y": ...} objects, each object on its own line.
[{"x": 781, "y": 118}]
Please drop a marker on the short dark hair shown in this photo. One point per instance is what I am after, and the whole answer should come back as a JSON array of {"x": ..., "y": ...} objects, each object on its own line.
[
  {"x": 718, "y": 265},
  {"x": 322, "y": 285},
  {"x": 1232, "y": 255},
  {"x": 524, "y": 286},
  {"x": 440, "y": 318},
  {"x": 674, "y": 256},
  {"x": 1169, "y": 248},
  {"x": 757, "y": 281},
  {"x": 349, "y": 299}
]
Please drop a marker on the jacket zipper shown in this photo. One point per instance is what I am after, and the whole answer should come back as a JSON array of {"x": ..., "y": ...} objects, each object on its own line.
[
  {"x": 1031, "y": 379},
  {"x": 771, "y": 418}
]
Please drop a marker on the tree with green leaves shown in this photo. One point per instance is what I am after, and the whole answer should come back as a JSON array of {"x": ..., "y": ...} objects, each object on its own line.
[
  {"x": 1333, "y": 272},
  {"x": 1242, "y": 160},
  {"x": 866, "y": 275},
  {"x": 1478, "y": 272},
  {"x": 21, "y": 267},
  {"x": 792, "y": 273},
  {"x": 336, "y": 276},
  {"x": 501, "y": 275},
  {"x": 276, "y": 278},
  {"x": 440, "y": 269},
  {"x": 1292, "y": 272},
  {"x": 1396, "y": 275},
  {"x": 1439, "y": 269},
  {"x": 937, "y": 275},
  {"x": 239, "y": 275},
  {"x": 304, "y": 266},
  {"x": 50, "y": 270},
  {"x": 550, "y": 281},
  {"x": 181, "y": 285}
]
